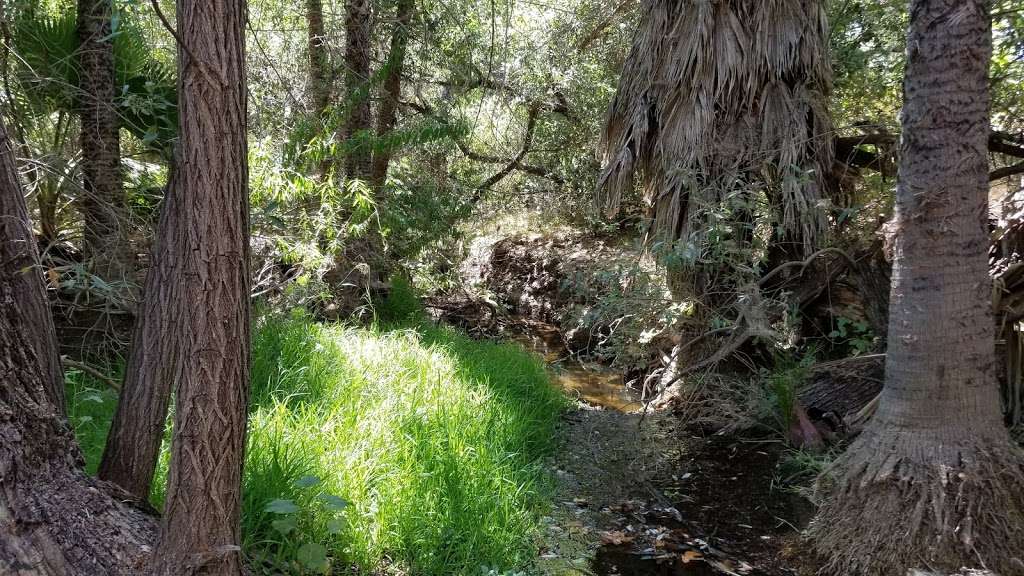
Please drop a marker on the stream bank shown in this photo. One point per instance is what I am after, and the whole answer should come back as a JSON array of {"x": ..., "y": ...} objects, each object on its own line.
[{"x": 638, "y": 492}]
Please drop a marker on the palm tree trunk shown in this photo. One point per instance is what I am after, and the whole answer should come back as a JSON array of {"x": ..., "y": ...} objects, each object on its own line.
[
  {"x": 201, "y": 527},
  {"x": 934, "y": 481},
  {"x": 54, "y": 519},
  {"x": 102, "y": 202}
]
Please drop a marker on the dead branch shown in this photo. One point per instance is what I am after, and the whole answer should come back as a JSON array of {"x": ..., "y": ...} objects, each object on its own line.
[
  {"x": 604, "y": 25},
  {"x": 1005, "y": 172},
  {"x": 91, "y": 371},
  {"x": 803, "y": 263}
]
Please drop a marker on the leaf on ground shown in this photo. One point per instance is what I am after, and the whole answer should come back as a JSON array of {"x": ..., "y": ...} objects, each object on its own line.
[
  {"x": 307, "y": 481},
  {"x": 690, "y": 556},
  {"x": 284, "y": 525},
  {"x": 616, "y": 538},
  {"x": 333, "y": 502},
  {"x": 335, "y": 525}
]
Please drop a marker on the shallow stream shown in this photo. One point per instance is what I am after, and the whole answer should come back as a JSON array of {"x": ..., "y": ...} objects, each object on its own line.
[{"x": 590, "y": 382}]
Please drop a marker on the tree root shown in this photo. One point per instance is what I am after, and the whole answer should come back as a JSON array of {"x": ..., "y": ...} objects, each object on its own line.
[{"x": 899, "y": 501}]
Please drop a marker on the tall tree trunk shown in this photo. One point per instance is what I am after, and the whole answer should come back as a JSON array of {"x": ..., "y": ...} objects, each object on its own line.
[
  {"x": 316, "y": 45},
  {"x": 103, "y": 201},
  {"x": 54, "y": 519},
  {"x": 387, "y": 114},
  {"x": 201, "y": 528},
  {"x": 358, "y": 28},
  {"x": 19, "y": 265},
  {"x": 136, "y": 433},
  {"x": 934, "y": 480}
]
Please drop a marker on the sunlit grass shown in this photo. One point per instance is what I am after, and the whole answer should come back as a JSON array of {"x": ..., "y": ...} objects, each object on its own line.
[{"x": 405, "y": 445}]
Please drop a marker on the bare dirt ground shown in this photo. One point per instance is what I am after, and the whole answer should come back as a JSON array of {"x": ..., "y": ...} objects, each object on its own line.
[{"x": 661, "y": 498}]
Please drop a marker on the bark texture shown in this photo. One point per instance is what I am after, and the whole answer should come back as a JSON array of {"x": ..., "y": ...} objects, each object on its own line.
[
  {"x": 19, "y": 263},
  {"x": 387, "y": 114},
  {"x": 201, "y": 529},
  {"x": 133, "y": 443},
  {"x": 54, "y": 519},
  {"x": 103, "y": 201},
  {"x": 358, "y": 29},
  {"x": 934, "y": 480},
  {"x": 316, "y": 46}
]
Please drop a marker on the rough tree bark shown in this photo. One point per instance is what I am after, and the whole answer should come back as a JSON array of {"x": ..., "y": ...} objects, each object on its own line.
[
  {"x": 934, "y": 480},
  {"x": 201, "y": 531},
  {"x": 103, "y": 201},
  {"x": 19, "y": 263},
  {"x": 358, "y": 28},
  {"x": 133, "y": 443},
  {"x": 54, "y": 519},
  {"x": 387, "y": 114},
  {"x": 316, "y": 46}
]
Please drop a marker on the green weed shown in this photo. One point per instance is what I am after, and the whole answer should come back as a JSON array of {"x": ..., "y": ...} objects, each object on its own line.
[{"x": 405, "y": 445}]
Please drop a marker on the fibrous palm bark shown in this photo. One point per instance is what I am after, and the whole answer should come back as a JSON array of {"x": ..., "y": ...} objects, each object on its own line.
[
  {"x": 316, "y": 46},
  {"x": 934, "y": 480},
  {"x": 103, "y": 200},
  {"x": 717, "y": 97},
  {"x": 54, "y": 519}
]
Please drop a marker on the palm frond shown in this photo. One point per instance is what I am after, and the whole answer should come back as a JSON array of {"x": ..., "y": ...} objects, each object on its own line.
[{"x": 721, "y": 92}]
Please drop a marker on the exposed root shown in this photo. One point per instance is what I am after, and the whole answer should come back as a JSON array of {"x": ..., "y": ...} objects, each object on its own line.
[{"x": 899, "y": 501}]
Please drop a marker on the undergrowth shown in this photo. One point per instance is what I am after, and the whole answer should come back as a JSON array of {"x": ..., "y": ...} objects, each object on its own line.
[{"x": 405, "y": 446}]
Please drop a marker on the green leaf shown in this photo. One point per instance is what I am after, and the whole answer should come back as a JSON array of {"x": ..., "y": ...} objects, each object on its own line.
[
  {"x": 307, "y": 481},
  {"x": 336, "y": 525},
  {"x": 284, "y": 525},
  {"x": 313, "y": 556},
  {"x": 281, "y": 507},
  {"x": 336, "y": 503}
]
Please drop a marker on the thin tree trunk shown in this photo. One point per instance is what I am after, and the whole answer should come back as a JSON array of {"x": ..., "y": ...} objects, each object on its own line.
[
  {"x": 358, "y": 28},
  {"x": 54, "y": 519},
  {"x": 934, "y": 481},
  {"x": 19, "y": 264},
  {"x": 103, "y": 201},
  {"x": 201, "y": 531},
  {"x": 319, "y": 80},
  {"x": 387, "y": 114},
  {"x": 136, "y": 433}
]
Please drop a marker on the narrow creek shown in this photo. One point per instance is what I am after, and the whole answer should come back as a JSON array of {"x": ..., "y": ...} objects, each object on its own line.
[
  {"x": 593, "y": 383},
  {"x": 650, "y": 496}
]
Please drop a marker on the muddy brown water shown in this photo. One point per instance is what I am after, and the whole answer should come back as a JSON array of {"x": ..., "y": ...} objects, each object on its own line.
[{"x": 590, "y": 382}]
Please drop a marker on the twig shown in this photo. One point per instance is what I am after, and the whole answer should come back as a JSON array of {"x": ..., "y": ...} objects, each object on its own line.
[
  {"x": 804, "y": 263},
  {"x": 91, "y": 371},
  {"x": 191, "y": 55}
]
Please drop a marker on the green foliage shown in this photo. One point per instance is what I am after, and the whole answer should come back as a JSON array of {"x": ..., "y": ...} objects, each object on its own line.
[
  {"x": 782, "y": 384},
  {"x": 91, "y": 406},
  {"x": 405, "y": 444},
  {"x": 854, "y": 334},
  {"x": 46, "y": 70}
]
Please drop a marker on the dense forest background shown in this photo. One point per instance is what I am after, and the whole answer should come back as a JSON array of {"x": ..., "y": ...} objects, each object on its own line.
[{"x": 324, "y": 239}]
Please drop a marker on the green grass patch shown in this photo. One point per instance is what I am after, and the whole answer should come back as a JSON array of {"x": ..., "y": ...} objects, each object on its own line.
[{"x": 405, "y": 445}]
